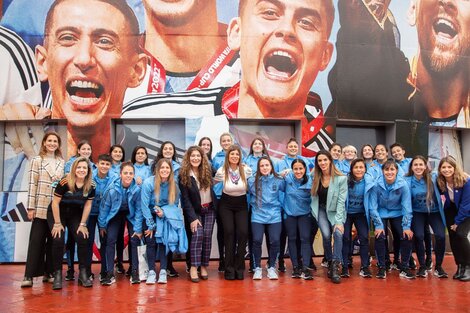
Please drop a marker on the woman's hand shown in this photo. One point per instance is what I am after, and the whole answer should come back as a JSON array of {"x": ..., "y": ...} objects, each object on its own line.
[
  {"x": 84, "y": 230},
  {"x": 31, "y": 213},
  {"x": 159, "y": 213},
  {"x": 102, "y": 232},
  {"x": 138, "y": 181},
  {"x": 194, "y": 225},
  {"x": 453, "y": 227},
  {"x": 339, "y": 227},
  {"x": 378, "y": 232},
  {"x": 408, "y": 234},
  {"x": 57, "y": 229},
  {"x": 148, "y": 233}
]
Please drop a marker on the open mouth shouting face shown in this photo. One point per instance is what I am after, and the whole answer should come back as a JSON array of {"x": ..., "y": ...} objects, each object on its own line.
[
  {"x": 88, "y": 58},
  {"x": 444, "y": 34},
  {"x": 283, "y": 45}
]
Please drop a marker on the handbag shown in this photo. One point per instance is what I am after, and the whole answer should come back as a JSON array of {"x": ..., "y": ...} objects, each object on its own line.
[{"x": 142, "y": 258}]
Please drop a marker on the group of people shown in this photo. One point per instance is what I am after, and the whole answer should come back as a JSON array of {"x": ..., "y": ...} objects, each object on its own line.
[{"x": 172, "y": 208}]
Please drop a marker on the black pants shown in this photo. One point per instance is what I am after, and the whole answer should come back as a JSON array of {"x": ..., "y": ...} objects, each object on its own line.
[
  {"x": 70, "y": 219},
  {"x": 458, "y": 239},
  {"x": 39, "y": 257},
  {"x": 233, "y": 212}
]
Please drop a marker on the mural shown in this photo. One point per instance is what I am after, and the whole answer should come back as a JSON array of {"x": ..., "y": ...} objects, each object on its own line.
[{"x": 91, "y": 63}]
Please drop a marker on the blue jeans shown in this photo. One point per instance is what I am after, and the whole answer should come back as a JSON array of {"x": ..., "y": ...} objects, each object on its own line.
[
  {"x": 303, "y": 226},
  {"x": 274, "y": 231},
  {"x": 91, "y": 224},
  {"x": 405, "y": 243},
  {"x": 421, "y": 221},
  {"x": 360, "y": 221},
  {"x": 334, "y": 253}
]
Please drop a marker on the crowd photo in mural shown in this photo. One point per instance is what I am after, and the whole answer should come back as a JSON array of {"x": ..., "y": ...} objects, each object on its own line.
[{"x": 147, "y": 72}]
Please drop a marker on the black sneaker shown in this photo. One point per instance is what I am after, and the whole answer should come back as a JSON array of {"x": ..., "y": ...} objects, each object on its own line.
[
  {"x": 172, "y": 272},
  {"x": 129, "y": 271},
  {"x": 324, "y": 262},
  {"x": 439, "y": 272},
  {"x": 135, "y": 277},
  {"x": 412, "y": 263},
  {"x": 120, "y": 268},
  {"x": 306, "y": 274},
  {"x": 422, "y": 272},
  {"x": 382, "y": 273},
  {"x": 221, "y": 268},
  {"x": 69, "y": 275},
  {"x": 365, "y": 272},
  {"x": 108, "y": 280},
  {"x": 311, "y": 266},
  {"x": 406, "y": 273},
  {"x": 296, "y": 272},
  {"x": 282, "y": 267},
  {"x": 48, "y": 278},
  {"x": 429, "y": 264},
  {"x": 388, "y": 265},
  {"x": 345, "y": 272},
  {"x": 395, "y": 266}
]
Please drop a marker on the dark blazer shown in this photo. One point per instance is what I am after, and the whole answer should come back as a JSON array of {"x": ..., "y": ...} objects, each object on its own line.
[{"x": 191, "y": 201}]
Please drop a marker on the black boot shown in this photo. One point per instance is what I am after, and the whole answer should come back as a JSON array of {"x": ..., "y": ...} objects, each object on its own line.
[
  {"x": 459, "y": 272},
  {"x": 335, "y": 278},
  {"x": 57, "y": 284},
  {"x": 466, "y": 273},
  {"x": 330, "y": 269},
  {"x": 83, "y": 278}
]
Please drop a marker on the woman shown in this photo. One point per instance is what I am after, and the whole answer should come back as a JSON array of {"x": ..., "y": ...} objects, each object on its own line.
[
  {"x": 329, "y": 192},
  {"x": 140, "y": 160},
  {"x": 84, "y": 150},
  {"x": 168, "y": 151},
  {"x": 233, "y": 210},
  {"x": 225, "y": 140},
  {"x": 160, "y": 197},
  {"x": 390, "y": 201},
  {"x": 298, "y": 218},
  {"x": 336, "y": 151},
  {"x": 367, "y": 154},
  {"x": 206, "y": 144},
  {"x": 199, "y": 207},
  {"x": 454, "y": 183},
  {"x": 120, "y": 203},
  {"x": 118, "y": 154},
  {"x": 257, "y": 150},
  {"x": 360, "y": 185},
  {"x": 427, "y": 211},
  {"x": 265, "y": 203},
  {"x": 70, "y": 208},
  {"x": 46, "y": 170}
]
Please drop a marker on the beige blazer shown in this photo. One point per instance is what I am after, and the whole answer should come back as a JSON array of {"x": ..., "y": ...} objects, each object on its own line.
[{"x": 42, "y": 181}]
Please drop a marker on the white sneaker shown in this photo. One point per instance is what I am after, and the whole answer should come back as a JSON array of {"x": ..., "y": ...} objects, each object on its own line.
[
  {"x": 151, "y": 278},
  {"x": 272, "y": 273},
  {"x": 258, "y": 274},
  {"x": 162, "y": 277}
]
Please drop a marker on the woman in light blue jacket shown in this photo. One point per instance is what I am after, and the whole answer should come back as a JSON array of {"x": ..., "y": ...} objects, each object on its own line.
[
  {"x": 329, "y": 192},
  {"x": 427, "y": 211},
  {"x": 140, "y": 160},
  {"x": 298, "y": 218},
  {"x": 360, "y": 184},
  {"x": 265, "y": 203},
  {"x": 159, "y": 194},
  {"x": 119, "y": 204},
  {"x": 390, "y": 201}
]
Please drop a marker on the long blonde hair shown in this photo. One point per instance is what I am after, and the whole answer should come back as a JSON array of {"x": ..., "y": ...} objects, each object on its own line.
[
  {"x": 72, "y": 178},
  {"x": 460, "y": 177},
  {"x": 318, "y": 172},
  {"x": 227, "y": 165},
  {"x": 171, "y": 182},
  {"x": 43, "y": 150}
]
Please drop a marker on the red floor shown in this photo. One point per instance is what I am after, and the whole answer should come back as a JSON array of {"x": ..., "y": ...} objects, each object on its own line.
[{"x": 355, "y": 294}]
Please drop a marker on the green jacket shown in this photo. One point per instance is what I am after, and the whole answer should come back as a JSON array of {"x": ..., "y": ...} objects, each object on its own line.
[{"x": 336, "y": 201}]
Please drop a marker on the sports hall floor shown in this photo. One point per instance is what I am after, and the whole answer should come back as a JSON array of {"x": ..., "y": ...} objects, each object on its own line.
[{"x": 355, "y": 294}]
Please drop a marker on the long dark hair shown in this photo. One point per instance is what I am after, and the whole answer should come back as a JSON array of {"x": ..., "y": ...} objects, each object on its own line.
[
  {"x": 305, "y": 177},
  {"x": 351, "y": 177},
  {"x": 264, "y": 152},
  {"x": 427, "y": 178},
  {"x": 160, "y": 155},
  {"x": 318, "y": 172},
  {"x": 134, "y": 152},
  {"x": 122, "y": 149},
  {"x": 258, "y": 175},
  {"x": 203, "y": 173},
  {"x": 79, "y": 146},
  {"x": 209, "y": 155}
]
